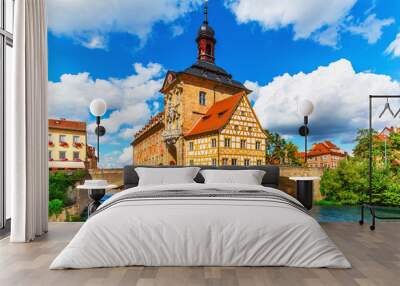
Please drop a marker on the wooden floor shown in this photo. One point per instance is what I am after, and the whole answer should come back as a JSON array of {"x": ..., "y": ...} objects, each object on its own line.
[{"x": 375, "y": 257}]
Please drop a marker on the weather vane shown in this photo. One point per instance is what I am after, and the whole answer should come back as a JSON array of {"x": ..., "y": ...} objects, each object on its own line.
[{"x": 206, "y": 11}]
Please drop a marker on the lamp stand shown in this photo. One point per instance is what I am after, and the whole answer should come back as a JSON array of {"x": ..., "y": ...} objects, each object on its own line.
[
  {"x": 305, "y": 139},
  {"x": 98, "y": 138}
]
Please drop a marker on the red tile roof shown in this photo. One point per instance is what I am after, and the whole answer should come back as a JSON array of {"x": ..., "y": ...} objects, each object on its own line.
[
  {"x": 386, "y": 132},
  {"x": 67, "y": 124},
  {"x": 324, "y": 148},
  {"x": 217, "y": 116}
]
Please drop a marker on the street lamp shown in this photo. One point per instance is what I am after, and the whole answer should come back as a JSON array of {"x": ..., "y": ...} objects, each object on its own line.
[
  {"x": 305, "y": 108},
  {"x": 98, "y": 108}
]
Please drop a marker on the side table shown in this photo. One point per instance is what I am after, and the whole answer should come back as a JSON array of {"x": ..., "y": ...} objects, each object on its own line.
[
  {"x": 96, "y": 190},
  {"x": 304, "y": 190}
]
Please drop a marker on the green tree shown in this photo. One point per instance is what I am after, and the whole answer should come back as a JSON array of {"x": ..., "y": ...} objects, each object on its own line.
[
  {"x": 361, "y": 150},
  {"x": 348, "y": 184},
  {"x": 280, "y": 151},
  {"x": 59, "y": 182}
]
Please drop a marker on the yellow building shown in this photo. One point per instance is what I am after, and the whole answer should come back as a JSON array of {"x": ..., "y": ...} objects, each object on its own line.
[
  {"x": 67, "y": 144},
  {"x": 208, "y": 119}
]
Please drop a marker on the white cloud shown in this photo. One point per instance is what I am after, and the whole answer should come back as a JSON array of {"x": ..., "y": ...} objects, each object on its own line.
[
  {"x": 87, "y": 20},
  {"x": 127, "y": 133},
  {"x": 305, "y": 16},
  {"x": 127, "y": 99},
  {"x": 340, "y": 96},
  {"x": 394, "y": 47},
  {"x": 177, "y": 30},
  {"x": 254, "y": 87},
  {"x": 322, "y": 21},
  {"x": 328, "y": 37},
  {"x": 371, "y": 28},
  {"x": 93, "y": 41},
  {"x": 126, "y": 156},
  {"x": 117, "y": 158}
]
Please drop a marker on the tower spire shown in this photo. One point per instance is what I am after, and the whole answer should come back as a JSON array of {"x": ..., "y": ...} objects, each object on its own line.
[{"x": 206, "y": 11}]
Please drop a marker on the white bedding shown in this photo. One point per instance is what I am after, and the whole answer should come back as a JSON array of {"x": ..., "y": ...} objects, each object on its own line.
[{"x": 202, "y": 231}]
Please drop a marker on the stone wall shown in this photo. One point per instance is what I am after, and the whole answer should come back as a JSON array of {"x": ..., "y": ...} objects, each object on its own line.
[
  {"x": 115, "y": 176},
  {"x": 289, "y": 186}
]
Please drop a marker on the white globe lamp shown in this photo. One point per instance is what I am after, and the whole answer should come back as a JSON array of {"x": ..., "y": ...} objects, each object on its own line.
[
  {"x": 98, "y": 107},
  {"x": 306, "y": 107}
]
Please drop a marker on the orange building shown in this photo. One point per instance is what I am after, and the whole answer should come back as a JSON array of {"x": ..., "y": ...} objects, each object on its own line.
[
  {"x": 149, "y": 147},
  {"x": 208, "y": 119},
  {"x": 325, "y": 155}
]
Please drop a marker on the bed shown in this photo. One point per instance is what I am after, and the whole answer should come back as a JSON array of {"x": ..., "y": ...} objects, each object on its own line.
[{"x": 201, "y": 224}]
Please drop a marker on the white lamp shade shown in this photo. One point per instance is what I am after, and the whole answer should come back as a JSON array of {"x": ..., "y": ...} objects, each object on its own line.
[
  {"x": 306, "y": 107},
  {"x": 98, "y": 107}
]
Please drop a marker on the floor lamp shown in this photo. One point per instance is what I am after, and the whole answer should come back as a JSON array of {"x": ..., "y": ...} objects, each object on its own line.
[
  {"x": 305, "y": 107},
  {"x": 98, "y": 108}
]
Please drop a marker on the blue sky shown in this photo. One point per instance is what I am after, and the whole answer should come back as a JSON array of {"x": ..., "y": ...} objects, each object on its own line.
[{"x": 333, "y": 54}]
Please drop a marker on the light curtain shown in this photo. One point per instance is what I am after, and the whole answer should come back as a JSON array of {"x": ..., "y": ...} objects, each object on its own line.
[{"x": 27, "y": 157}]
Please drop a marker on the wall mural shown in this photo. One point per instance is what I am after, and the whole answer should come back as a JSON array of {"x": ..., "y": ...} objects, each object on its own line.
[{"x": 187, "y": 84}]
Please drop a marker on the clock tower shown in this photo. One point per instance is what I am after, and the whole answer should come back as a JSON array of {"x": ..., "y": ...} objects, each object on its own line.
[{"x": 188, "y": 95}]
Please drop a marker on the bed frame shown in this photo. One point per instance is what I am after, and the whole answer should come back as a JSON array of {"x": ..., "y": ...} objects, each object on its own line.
[{"x": 270, "y": 179}]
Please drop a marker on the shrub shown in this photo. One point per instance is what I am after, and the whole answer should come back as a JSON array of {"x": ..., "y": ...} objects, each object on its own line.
[
  {"x": 59, "y": 183},
  {"x": 348, "y": 183},
  {"x": 55, "y": 207}
]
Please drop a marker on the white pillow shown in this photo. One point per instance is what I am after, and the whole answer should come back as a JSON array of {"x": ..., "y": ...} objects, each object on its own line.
[
  {"x": 248, "y": 177},
  {"x": 166, "y": 176}
]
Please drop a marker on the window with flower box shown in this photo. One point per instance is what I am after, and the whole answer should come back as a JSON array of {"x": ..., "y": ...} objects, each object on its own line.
[
  {"x": 75, "y": 156},
  {"x": 62, "y": 155}
]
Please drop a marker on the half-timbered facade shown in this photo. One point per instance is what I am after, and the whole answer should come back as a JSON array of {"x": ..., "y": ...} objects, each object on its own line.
[{"x": 228, "y": 134}]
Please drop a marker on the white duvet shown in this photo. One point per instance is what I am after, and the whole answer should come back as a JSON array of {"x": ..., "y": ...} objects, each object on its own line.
[{"x": 200, "y": 231}]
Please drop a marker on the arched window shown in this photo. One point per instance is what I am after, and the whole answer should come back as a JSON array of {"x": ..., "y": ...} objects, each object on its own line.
[
  {"x": 208, "y": 49},
  {"x": 202, "y": 98}
]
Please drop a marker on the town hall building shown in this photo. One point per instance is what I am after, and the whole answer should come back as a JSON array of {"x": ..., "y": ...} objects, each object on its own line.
[{"x": 208, "y": 119}]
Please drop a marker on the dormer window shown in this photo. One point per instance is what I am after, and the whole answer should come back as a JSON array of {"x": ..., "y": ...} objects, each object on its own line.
[
  {"x": 202, "y": 98},
  {"x": 208, "y": 50},
  {"x": 222, "y": 113}
]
